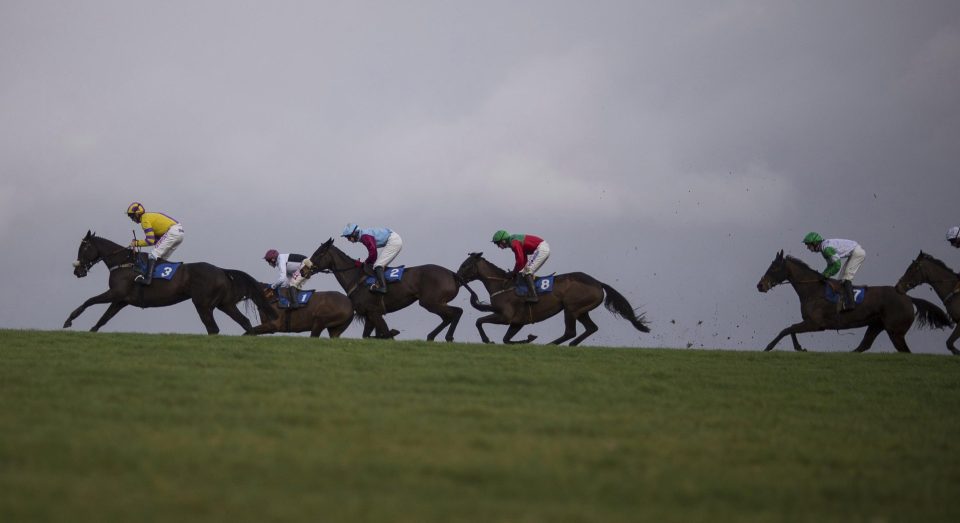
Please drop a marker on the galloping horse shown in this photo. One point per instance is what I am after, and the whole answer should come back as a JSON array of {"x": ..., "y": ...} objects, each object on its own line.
[
  {"x": 433, "y": 285},
  {"x": 325, "y": 310},
  {"x": 945, "y": 282},
  {"x": 207, "y": 285},
  {"x": 576, "y": 294},
  {"x": 883, "y": 308}
]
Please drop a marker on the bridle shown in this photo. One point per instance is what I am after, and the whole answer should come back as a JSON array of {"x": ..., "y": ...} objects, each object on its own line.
[{"x": 86, "y": 266}]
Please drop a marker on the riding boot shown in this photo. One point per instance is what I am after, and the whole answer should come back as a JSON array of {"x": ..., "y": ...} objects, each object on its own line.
[
  {"x": 381, "y": 285},
  {"x": 292, "y": 297},
  {"x": 531, "y": 290},
  {"x": 848, "y": 301},
  {"x": 147, "y": 277}
]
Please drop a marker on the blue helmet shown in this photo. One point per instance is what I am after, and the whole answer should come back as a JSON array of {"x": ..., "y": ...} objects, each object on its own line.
[{"x": 350, "y": 230}]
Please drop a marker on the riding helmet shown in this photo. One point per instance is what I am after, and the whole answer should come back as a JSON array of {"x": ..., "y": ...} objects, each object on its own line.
[
  {"x": 271, "y": 256},
  {"x": 500, "y": 235},
  {"x": 350, "y": 230},
  {"x": 812, "y": 238},
  {"x": 135, "y": 209},
  {"x": 953, "y": 233}
]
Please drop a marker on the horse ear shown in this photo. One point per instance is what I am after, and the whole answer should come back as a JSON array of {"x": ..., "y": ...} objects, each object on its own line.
[
  {"x": 88, "y": 234},
  {"x": 780, "y": 255},
  {"x": 328, "y": 242}
]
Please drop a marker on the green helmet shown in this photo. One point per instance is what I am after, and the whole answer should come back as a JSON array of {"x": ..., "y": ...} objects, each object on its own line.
[
  {"x": 500, "y": 235},
  {"x": 812, "y": 237}
]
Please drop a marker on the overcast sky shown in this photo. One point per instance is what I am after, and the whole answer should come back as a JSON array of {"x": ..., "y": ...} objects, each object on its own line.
[{"x": 667, "y": 148}]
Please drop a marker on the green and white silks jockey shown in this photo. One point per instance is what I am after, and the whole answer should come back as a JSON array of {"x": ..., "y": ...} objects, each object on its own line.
[{"x": 844, "y": 257}]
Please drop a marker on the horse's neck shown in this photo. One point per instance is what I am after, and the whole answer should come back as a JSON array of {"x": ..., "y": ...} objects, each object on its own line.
[
  {"x": 944, "y": 282},
  {"x": 341, "y": 265},
  {"x": 111, "y": 253},
  {"x": 804, "y": 279},
  {"x": 492, "y": 278}
]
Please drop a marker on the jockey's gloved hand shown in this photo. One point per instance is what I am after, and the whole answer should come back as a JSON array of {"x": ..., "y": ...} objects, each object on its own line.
[{"x": 358, "y": 263}]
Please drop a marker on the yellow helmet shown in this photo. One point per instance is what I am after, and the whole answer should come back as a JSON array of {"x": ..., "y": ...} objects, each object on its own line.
[{"x": 135, "y": 209}]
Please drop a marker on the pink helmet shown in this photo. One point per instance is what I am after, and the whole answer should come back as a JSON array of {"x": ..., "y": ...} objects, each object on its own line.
[{"x": 271, "y": 255}]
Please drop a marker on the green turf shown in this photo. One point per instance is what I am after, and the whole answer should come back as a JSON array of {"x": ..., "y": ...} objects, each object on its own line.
[{"x": 134, "y": 427}]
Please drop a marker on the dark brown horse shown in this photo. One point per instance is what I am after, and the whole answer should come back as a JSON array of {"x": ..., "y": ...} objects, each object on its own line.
[
  {"x": 945, "y": 282},
  {"x": 329, "y": 310},
  {"x": 209, "y": 287},
  {"x": 432, "y": 285},
  {"x": 883, "y": 308},
  {"x": 576, "y": 294}
]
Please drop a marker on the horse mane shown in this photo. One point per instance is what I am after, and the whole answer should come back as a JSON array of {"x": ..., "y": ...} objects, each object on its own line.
[
  {"x": 801, "y": 263},
  {"x": 479, "y": 257},
  {"x": 935, "y": 261}
]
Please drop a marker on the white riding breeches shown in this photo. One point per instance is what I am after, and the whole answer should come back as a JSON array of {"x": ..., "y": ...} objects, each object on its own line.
[
  {"x": 168, "y": 243},
  {"x": 389, "y": 251},
  {"x": 536, "y": 259},
  {"x": 852, "y": 265}
]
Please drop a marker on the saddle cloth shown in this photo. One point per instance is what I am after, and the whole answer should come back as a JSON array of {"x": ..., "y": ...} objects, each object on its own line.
[
  {"x": 544, "y": 285},
  {"x": 390, "y": 274},
  {"x": 162, "y": 270},
  {"x": 303, "y": 297},
  {"x": 834, "y": 296}
]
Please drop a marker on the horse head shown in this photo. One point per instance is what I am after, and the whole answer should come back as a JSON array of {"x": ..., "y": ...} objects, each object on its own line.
[
  {"x": 320, "y": 259},
  {"x": 469, "y": 269},
  {"x": 925, "y": 269},
  {"x": 776, "y": 274},
  {"x": 87, "y": 255}
]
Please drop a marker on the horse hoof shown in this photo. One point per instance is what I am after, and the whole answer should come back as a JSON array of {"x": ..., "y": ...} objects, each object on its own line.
[
  {"x": 67, "y": 324},
  {"x": 531, "y": 337}
]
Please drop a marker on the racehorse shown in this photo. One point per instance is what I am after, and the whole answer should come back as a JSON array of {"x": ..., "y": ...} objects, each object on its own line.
[
  {"x": 207, "y": 285},
  {"x": 434, "y": 286},
  {"x": 945, "y": 282},
  {"x": 576, "y": 294},
  {"x": 882, "y": 309},
  {"x": 325, "y": 310}
]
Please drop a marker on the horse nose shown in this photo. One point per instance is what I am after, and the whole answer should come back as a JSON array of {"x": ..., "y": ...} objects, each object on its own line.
[{"x": 761, "y": 287}]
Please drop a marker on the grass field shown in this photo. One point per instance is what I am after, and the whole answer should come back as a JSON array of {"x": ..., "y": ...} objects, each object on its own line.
[{"x": 131, "y": 427}]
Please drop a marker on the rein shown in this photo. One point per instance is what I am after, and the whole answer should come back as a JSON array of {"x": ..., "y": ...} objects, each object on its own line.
[{"x": 103, "y": 257}]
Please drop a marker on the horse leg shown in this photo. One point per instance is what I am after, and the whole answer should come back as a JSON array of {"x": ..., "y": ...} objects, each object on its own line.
[
  {"x": 796, "y": 343},
  {"x": 490, "y": 318},
  {"x": 317, "y": 329},
  {"x": 512, "y": 330},
  {"x": 796, "y": 328},
  {"x": 448, "y": 314},
  {"x": 206, "y": 316},
  {"x": 383, "y": 332},
  {"x": 109, "y": 313},
  {"x": 234, "y": 313},
  {"x": 590, "y": 327},
  {"x": 99, "y": 298},
  {"x": 953, "y": 337},
  {"x": 367, "y": 327},
  {"x": 336, "y": 330},
  {"x": 569, "y": 328},
  {"x": 873, "y": 331},
  {"x": 899, "y": 341}
]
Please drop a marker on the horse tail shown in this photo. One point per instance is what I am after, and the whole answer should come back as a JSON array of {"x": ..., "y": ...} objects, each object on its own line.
[
  {"x": 929, "y": 315},
  {"x": 619, "y": 306},
  {"x": 475, "y": 300},
  {"x": 248, "y": 288}
]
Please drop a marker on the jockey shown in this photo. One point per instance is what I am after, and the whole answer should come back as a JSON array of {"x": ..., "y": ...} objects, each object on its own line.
[
  {"x": 834, "y": 251},
  {"x": 287, "y": 266},
  {"x": 162, "y": 232},
  {"x": 953, "y": 236},
  {"x": 372, "y": 238},
  {"x": 524, "y": 245}
]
